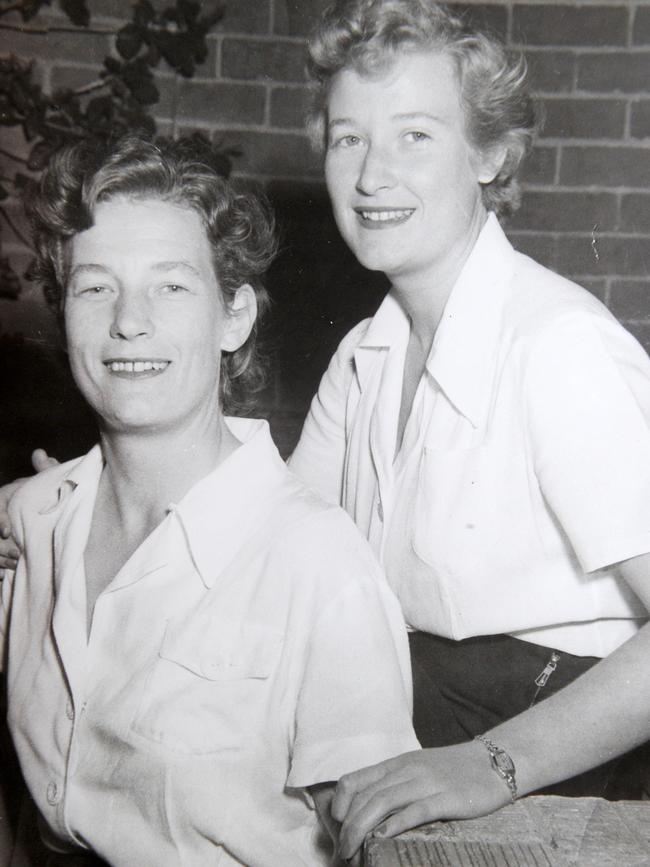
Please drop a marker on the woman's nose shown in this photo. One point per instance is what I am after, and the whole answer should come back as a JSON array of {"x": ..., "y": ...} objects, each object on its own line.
[
  {"x": 131, "y": 318},
  {"x": 376, "y": 173}
]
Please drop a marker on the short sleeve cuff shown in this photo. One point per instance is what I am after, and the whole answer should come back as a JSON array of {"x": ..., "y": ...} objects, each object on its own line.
[
  {"x": 604, "y": 556},
  {"x": 328, "y": 761}
]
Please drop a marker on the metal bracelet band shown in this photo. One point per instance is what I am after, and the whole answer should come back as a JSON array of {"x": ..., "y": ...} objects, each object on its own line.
[{"x": 502, "y": 764}]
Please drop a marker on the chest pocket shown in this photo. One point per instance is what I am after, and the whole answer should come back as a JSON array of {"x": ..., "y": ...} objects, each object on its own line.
[
  {"x": 452, "y": 506},
  {"x": 210, "y": 688}
]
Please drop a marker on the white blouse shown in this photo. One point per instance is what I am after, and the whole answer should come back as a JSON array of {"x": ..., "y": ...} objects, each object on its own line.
[{"x": 524, "y": 473}]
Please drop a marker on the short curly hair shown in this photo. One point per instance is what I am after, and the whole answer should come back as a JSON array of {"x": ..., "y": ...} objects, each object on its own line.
[
  {"x": 239, "y": 226},
  {"x": 367, "y": 35}
]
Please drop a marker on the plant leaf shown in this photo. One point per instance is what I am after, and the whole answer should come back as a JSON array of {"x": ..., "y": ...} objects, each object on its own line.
[
  {"x": 129, "y": 41},
  {"x": 77, "y": 12}
]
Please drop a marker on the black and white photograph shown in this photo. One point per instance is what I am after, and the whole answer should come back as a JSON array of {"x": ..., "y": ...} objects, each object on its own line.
[{"x": 324, "y": 433}]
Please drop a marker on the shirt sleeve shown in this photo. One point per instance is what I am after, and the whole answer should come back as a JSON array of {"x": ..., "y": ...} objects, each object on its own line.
[
  {"x": 588, "y": 409},
  {"x": 319, "y": 457},
  {"x": 355, "y": 700},
  {"x": 7, "y": 585}
]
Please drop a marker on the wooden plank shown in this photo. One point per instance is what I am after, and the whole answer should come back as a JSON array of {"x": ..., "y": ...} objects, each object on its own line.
[{"x": 538, "y": 831}]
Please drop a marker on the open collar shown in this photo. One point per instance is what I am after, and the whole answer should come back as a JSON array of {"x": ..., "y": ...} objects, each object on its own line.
[
  {"x": 82, "y": 473},
  {"x": 220, "y": 510},
  {"x": 465, "y": 350},
  {"x": 464, "y": 353}
]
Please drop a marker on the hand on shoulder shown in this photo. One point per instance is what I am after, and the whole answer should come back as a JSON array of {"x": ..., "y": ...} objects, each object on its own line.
[{"x": 9, "y": 552}]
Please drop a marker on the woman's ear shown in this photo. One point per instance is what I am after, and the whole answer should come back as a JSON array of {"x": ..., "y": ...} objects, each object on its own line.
[
  {"x": 491, "y": 163},
  {"x": 242, "y": 313}
]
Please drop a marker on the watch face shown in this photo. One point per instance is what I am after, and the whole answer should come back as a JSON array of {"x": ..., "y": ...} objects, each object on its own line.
[{"x": 503, "y": 763}]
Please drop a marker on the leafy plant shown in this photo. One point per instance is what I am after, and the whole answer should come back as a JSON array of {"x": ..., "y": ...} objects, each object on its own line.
[{"x": 120, "y": 99}]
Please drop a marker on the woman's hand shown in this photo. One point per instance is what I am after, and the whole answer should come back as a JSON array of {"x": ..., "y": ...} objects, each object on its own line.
[
  {"x": 9, "y": 552},
  {"x": 456, "y": 782}
]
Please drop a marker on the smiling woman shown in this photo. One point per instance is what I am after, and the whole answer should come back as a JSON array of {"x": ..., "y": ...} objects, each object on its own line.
[
  {"x": 487, "y": 429},
  {"x": 145, "y": 319},
  {"x": 177, "y": 633}
]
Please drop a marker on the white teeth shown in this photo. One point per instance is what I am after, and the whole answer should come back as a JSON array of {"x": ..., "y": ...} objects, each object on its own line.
[
  {"x": 136, "y": 366},
  {"x": 383, "y": 216}
]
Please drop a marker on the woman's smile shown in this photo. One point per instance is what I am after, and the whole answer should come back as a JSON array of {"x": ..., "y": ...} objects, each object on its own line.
[
  {"x": 136, "y": 368},
  {"x": 383, "y": 218}
]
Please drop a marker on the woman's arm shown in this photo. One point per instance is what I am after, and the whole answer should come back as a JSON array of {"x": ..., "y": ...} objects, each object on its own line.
[{"x": 602, "y": 714}]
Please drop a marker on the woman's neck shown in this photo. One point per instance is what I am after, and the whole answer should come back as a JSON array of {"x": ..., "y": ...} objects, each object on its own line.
[
  {"x": 145, "y": 471},
  {"x": 423, "y": 295}
]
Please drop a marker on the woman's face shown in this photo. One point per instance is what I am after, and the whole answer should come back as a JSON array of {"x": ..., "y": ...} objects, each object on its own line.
[
  {"x": 403, "y": 180},
  {"x": 144, "y": 316}
]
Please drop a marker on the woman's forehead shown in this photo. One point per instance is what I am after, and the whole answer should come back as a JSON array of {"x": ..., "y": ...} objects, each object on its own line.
[
  {"x": 142, "y": 228},
  {"x": 410, "y": 82}
]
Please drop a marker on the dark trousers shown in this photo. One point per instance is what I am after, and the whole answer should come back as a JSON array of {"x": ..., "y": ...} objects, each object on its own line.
[{"x": 463, "y": 688}]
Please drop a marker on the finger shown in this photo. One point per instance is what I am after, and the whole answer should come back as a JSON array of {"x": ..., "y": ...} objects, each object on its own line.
[
  {"x": 41, "y": 460},
  {"x": 350, "y": 784},
  {"x": 9, "y": 557},
  {"x": 366, "y": 813},
  {"x": 418, "y": 813}
]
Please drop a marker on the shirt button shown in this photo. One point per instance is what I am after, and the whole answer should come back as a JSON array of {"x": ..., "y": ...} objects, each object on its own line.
[
  {"x": 380, "y": 510},
  {"x": 52, "y": 794},
  {"x": 69, "y": 710}
]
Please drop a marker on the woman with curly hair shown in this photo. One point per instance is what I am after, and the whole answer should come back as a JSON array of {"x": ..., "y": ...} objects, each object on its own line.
[
  {"x": 487, "y": 430},
  {"x": 196, "y": 646}
]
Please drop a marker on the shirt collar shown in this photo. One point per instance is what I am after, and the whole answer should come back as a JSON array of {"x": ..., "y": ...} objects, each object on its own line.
[
  {"x": 464, "y": 354},
  {"x": 218, "y": 512},
  {"x": 81, "y": 474},
  {"x": 464, "y": 351}
]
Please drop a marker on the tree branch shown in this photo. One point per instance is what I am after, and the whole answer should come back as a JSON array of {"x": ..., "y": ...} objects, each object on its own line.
[
  {"x": 55, "y": 28},
  {"x": 13, "y": 157},
  {"x": 93, "y": 85}
]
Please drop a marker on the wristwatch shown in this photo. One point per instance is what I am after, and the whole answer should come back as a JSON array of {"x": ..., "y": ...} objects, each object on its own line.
[{"x": 502, "y": 764}]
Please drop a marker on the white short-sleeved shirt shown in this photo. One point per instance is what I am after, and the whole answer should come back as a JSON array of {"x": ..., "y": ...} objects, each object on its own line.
[
  {"x": 249, "y": 648},
  {"x": 524, "y": 473}
]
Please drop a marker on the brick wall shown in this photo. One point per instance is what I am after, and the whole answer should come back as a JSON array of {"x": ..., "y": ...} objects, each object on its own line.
[
  {"x": 586, "y": 207},
  {"x": 586, "y": 211}
]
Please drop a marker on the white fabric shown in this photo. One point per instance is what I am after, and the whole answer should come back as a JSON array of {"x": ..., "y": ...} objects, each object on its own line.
[
  {"x": 525, "y": 467},
  {"x": 250, "y": 647}
]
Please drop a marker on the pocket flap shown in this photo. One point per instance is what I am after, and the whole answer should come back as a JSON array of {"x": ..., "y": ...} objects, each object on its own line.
[{"x": 222, "y": 650}]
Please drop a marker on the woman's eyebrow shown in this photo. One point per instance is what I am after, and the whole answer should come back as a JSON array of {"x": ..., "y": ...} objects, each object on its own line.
[
  {"x": 340, "y": 121},
  {"x": 417, "y": 115},
  {"x": 89, "y": 268},
  {"x": 175, "y": 264}
]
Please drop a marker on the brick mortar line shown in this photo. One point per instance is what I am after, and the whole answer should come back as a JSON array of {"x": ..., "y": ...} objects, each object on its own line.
[
  {"x": 246, "y": 36},
  {"x": 573, "y": 189},
  {"x": 578, "y": 50},
  {"x": 260, "y": 37},
  {"x": 609, "y": 234},
  {"x": 589, "y": 95},
  {"x": 641, "y": 144}
]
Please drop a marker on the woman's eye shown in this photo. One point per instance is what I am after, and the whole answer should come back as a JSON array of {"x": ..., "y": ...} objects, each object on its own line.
[
  {"x": 94, "y": 290},
  {"x": 173, "y": 289},
  {"x": 347, "y": 141},
  {"x": 417, "y": 136}
]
